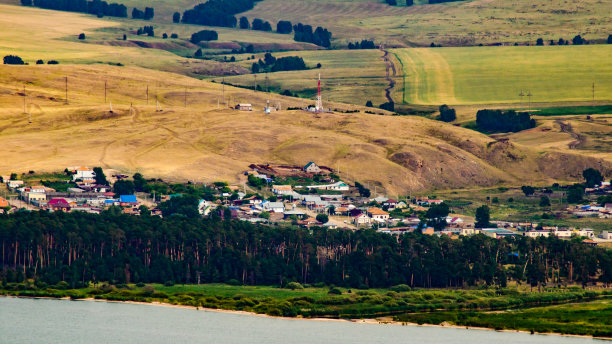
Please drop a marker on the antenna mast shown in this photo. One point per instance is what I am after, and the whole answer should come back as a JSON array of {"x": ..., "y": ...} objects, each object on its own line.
[{"x": 319, "y": 104}]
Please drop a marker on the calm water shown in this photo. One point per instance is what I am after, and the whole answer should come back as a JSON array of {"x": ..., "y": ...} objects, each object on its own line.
[{"x": 63, "y": 321}]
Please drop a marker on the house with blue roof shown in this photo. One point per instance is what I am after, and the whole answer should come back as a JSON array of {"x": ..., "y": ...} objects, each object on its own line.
[{"x": 128, "y": 200}]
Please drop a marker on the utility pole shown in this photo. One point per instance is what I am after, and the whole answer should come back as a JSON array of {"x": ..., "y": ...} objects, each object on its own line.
[
  {"x": 24, "y": 99},
  {"x": 593, "y": 89},
  {"x": 105, "y": 91},
  {"x": 529, "y": 96},
  {"x": 267, "y": 88},
  {"x": 66, "y": 90},
  {"x": 223, "y": 88},
  {"x": 185, "y": 102},
  {"x": 147, "y": 94},
  {"x": 521, "y": 95},
  {"x": 255, "y": 82}
]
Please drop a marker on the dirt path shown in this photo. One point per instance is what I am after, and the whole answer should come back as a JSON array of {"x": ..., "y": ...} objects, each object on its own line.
[
  {"x": 390, "y": 68},
  {"x": 567, "y": 128}
]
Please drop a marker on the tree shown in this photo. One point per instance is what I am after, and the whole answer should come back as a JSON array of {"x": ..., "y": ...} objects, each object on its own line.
[
  {"x": 124, "y": 37},
  {"x": 144, "y": 210},
  {"x": 165, "y": 35},
  {"x": 264, "y": 215},
  {"x": 447, "y": 114},
  {"x": 149, "y": 13},
  {"x": 544, "y": 201},
  {"x": 578, "y": 40},
  {"x": 100, "y": 176},
  {"x": 284, "y": 27},
  {"x": 592, "y": 177},
  {"x": 244, "y": 23},
  {"x": 391, "y": 2},
  {"x": 81, "y": 36},
  {"x": 198, "y": 53},
  {"x": 609, "y": 39},
  {"x": 409, "y": 2},
  {"x": 139, "y": 182},
  {"x": 575, "y": 193},
  {"x": 483, "y": 217},
  {"x": 13, "y": 60},
  {"x": 436, "y": 215},
  {"x": 369, "y": 104},
  {"x": 124, "y": 187},
  {"x": 528, "y": 190},
  {"x": 176, "y": 17},
  {"x": 539, "y": 41},
  {"x": 185, "y": 205},
  {"x": 204, "y": 35},
  {"x": 137, "y": 14},
  {"x": 322, "y": 218},
  {"x": 40, "y": 62},
  {"x": 174, "y": 35},
  {"x": 26, "y": 2}
]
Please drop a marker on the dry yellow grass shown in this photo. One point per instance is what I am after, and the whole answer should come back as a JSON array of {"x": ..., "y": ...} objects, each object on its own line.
[{"x": 203, "y": 143}]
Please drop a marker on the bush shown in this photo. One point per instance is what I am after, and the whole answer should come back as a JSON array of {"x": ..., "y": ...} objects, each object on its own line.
[
  {"x": 447, "y": 114},
  {"x": 334, "y": 291},
  {"x": 40, "y": 62},
  {"x": 63, "y": 285},
  {"x": 294, "y": 285},
  {"x": 234, "y": 282},
  {"x": 52, "y": 62},
  {"x": 401, "y": 287},
  {"x": 81, "y": 36},
  {"x": 204, "y": 35},
  {"x": 169, "y": 283},
  {"x": 13, "y": 60},
  {"x": 140, "y": 284}
]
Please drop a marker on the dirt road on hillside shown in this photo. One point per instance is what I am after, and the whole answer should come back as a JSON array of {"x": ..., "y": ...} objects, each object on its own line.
[
  {"x": 567, "y": 128},
  {"x": 390, "y": 73}
]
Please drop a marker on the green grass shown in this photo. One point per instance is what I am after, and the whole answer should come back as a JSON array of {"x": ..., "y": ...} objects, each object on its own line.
[
  {"x": 574, "y": 110},
  {"x": 483, "y": 75},
  {"x": 592, "y": 319}
]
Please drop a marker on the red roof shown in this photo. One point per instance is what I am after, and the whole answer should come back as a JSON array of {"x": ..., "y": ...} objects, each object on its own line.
[
  {"x": 58, "y": 201},
  {"x": 111, "y": 194}
]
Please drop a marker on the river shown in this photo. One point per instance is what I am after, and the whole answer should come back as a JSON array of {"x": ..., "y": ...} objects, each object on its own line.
[{"x": 25, "y": 320}]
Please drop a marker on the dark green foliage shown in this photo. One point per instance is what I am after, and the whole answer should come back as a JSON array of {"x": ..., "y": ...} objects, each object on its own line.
[
  {"x": 81, "y": 36},
  {"x": 40, "y": 62},
  {"x": 100, "y": 176},
  {"x": 304, "y": 33},
  {"x": 272, "y": 64},
  {"x": 26, "y": 2},
  {"x": 322, "y": 218},
  {"x": 539, "y": 41},
  {"x": 244, "y": 23},
  {"x": 114, "y": 246},
  {"x": 609, "y": 41},
  {"x": 140, "y": 183},
  {"x": 503, "y": 121},
  {"x": 578, "y": 40},
  {"x": 95, "y": 7},
  {"x": 52, "y": 62},
  {"x": 204, "y": 35},
  {"x": 165, "y": 35},
  {"x": 198, "y": 53},
  {"x": 369, "y": 103},
  {"x": 388, "y": 106},
  {"x": 447, "y": 114},
  {"x": 137, "y": 14},
  {"x": 391, "y": 2},
  {"x": 124, "y": 187},
  {"x": 364, "y": 44},
  {"x": 284, "y": 27},
  {"x": 544, "y": 201},
  {"x": 149, "y": 13},
  {"x": 592, "y": 177},
  {"x": 409, "y": 2},
  {"x": 174, "y": 35},
  {"x": 217, "y": 12},
  {"x": 441, "y": 1},
  {"x": 575, "y": 193},
  {"x": 256, "y": 182},
  {"x": 13, "y": 60},
  {"x": 528, "y": 190},
  {"x": 363, "y": 191},
  {"x": 261, "y": 25},
  {"x": 149, "y": 30},
  {"x": 176, "y": 17},
  {"x": 483, "y": 217},
  {"x": 186, "y": 205},
  {"x": 124, "y": 37},
  {"x": 436, "y": 216},
  {"x": 603, "y": 200}
]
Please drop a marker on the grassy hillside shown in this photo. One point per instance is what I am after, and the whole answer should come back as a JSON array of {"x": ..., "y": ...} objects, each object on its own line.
[{"x": 498, "y": 74}]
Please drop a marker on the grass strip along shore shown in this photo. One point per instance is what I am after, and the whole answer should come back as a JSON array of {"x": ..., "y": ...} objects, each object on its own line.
[{"x": 565, "y": 311}]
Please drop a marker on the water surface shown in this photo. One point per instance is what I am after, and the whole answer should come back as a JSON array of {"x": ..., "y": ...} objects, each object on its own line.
[{"x": 63, "y": 321}]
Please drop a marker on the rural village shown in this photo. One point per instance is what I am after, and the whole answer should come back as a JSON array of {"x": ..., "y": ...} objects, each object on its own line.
[{"x": 309, "y": 196}]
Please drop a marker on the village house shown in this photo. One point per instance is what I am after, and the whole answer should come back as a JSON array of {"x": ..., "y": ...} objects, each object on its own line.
[
  {"x": 12, "y": 184},
  {"x": 311, "y": 167},
  {"x": 4, "y": 203},
  {"x": 35, "y": 196},
  {"x": 85, "y": 174},
  {"x": 58, "y": 204},
  {"x": 244, "y": 107},
  {"x": 378, "y": 214},
  {"x": 390, "y": 204},
  {"x": 338, "y": 186},
  {"x": 276, "y": 207},
  {"x": 128, "y": 201},
  {"x": 282, "y": 190},
  {"x": 361, "y": 219}
]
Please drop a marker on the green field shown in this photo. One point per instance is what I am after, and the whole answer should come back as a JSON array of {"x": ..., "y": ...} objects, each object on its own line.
[
  {"x": 479, "y": 75},
  {"x": 354, "y": 76}
]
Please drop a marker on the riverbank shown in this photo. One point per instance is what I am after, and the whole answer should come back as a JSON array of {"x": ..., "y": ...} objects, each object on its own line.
[{"x": 564, "y": 311}]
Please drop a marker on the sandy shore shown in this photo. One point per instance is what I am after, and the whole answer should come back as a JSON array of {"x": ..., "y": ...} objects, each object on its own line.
[{"x": 370, "y": 321}]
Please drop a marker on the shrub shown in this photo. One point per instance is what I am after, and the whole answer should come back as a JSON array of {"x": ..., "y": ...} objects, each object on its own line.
[
  {"x": 233, "y": 282},
  {"x": 52, "y": 62},
  {"x": 169, "y": 283},
  {"x": 63, "y": 285},
  {"x": 81, "y": 36},
  {"x": 294, "y": 285},
  {"x": 401, "y": 287},
  {"x": 13, "y": 60},
  {"x": 140, "y": 284},
  {"x": 334, "y": 291},
  {"x": 40, "y": 62}
]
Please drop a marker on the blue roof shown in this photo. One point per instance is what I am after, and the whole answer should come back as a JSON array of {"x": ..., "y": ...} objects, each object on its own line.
[{"x": 127, "y": 199}]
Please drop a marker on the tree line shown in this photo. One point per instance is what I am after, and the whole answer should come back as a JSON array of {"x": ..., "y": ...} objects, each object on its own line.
[
  {"x": 503, "y": 121},
  {"x": 79, "y": 248},
  {"x": 95, "y": 7},
  {"x": 364, "y": 44},
  {"x": 304, "y": 33},
  {"x": 216, "y": 12},
  {"x": 273, "y": 64}
]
